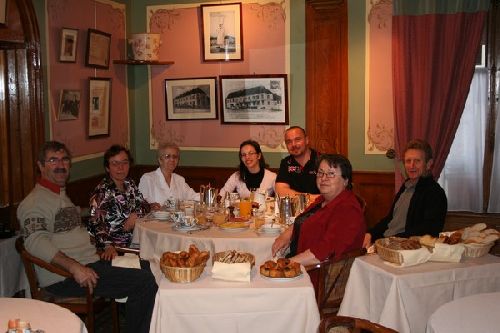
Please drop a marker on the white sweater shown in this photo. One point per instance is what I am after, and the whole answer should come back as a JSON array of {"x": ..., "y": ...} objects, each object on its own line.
[
  {"x": 154, "y": 188},
  {"x": 234, "y": 182}
]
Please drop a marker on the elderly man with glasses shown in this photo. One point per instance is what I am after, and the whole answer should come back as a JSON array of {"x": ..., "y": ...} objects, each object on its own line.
[{"x": 164, "y": 184}]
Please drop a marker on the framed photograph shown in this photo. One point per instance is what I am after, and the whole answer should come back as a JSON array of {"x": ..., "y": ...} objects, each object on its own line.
[
  {"x": 254, "y": 99},
  {"x": 222, "y": 32},
  {"x": 98, "y": 46},
  {"x": 3, "y": 12},
  {"x": 69, "y": 39},
  {"x": 188, "y": 99},
  {"x": 69, "y": 105},
  {"x": 99, "y": 107}
]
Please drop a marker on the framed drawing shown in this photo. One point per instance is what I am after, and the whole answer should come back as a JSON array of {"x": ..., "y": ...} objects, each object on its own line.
[
  {"x": 3, "y": 12},
  {"x": 188, "y": 99},
  {"x": 69, "y": 105},
  {"x": 222, "y": 32},
  {"x": 69, "y": 39},
  {"x": 254, "y": 99},
  {"x": 99, "y": 107},
  {"x": 98, "y": 47}
]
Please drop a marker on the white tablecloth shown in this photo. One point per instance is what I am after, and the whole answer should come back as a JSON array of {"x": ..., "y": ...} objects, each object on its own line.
[
  {"x": 471, "y": 314},
  {"x": 155, "y": 238},
  {"x": 404, "y": 298},
  {"x": 12, "y": 275},
  {"x": 41, "y": 315},
  {"x": 209, "y": 305}
]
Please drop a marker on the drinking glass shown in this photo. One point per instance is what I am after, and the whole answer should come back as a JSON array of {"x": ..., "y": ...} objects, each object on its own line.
[{"x": 245, "y": 207}]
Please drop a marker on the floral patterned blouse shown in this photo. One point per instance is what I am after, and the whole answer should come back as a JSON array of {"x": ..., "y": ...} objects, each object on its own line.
[{"x": 110, "y": 208}]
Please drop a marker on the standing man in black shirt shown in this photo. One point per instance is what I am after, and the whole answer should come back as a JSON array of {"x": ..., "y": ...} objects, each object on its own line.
[{"x": 297, "y": 173}]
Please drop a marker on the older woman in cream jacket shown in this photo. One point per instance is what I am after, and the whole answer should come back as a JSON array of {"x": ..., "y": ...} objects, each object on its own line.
[{"x": 163, "y": 184}]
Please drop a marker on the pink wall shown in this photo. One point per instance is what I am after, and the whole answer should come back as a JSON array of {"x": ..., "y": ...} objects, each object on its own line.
[
  {"x": 264, "y": 53},
  {"x": 82, "y": 15}
]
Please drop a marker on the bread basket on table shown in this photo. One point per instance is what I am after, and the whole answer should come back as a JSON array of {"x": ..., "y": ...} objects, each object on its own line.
[
  {"x": 386, "y": 253},
  {"x": 182, "y": 274}
]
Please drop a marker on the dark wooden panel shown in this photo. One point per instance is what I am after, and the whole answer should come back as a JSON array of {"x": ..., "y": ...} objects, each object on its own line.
[{"x": 326, "y": 75}]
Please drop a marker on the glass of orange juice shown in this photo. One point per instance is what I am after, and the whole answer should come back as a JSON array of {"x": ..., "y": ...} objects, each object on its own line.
[{"x": 245, "y": 207}]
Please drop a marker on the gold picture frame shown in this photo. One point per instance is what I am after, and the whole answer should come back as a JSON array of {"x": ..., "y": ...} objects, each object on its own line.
[{"x": 99, "y": 107}]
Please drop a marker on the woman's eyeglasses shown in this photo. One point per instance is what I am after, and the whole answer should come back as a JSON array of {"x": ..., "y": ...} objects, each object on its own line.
[
  {"x": 169, "y": 157},
  {"x": 328, "y": 174},
  {"x": 117, "y": 163},
  {"x": 249, "y": 154}
]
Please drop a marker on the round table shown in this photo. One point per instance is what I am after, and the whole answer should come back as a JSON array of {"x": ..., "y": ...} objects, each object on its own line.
[
  {"x": 476, "y": 313},
  {"x": 157, "y": 237},
  {"x": 44, "y": 316}
]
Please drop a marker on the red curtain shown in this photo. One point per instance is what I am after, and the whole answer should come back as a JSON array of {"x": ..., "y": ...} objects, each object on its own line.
[{"x": 433, "y": 65}]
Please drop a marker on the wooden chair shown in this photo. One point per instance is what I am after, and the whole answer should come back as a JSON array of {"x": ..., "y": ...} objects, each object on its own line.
[
  {"x": 333, "y": 275},
  {"x": 331, "y": 324},
  {"x": 86, "y": 305}
]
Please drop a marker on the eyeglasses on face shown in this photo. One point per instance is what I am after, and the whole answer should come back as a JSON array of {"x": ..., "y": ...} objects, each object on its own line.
[
  {"x": 328, "y": 174},
  {"x": 249, "y": 154},
  {"x": 55, "y": 161},
  {"x": 117, "y": 163},
  {"x": 169, "y": 157}
]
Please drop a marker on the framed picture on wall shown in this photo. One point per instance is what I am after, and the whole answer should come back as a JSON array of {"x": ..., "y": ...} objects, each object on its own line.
[
  {"x": 99, "y": 107},
  {"x": 69, "y": 105},
  {"x": 98, "y": 47},
  {"x": 222, "y": 32},
  {"x": 188, "y": 99},
  {"x": 69, "y": 39},
  {"x": 254, "y": 99}
]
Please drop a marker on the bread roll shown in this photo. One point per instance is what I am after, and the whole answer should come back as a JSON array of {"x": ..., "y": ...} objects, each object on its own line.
[{"x": 427, "y": 240}]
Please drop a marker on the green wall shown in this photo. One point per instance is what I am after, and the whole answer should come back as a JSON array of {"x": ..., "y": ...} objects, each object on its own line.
[{"x": 138, "y": 93}]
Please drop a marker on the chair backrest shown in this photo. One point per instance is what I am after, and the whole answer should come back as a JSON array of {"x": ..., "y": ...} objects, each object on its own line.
[
  {"x": 333, "y": 275},
  {"x": 29, "y": 262},
  {"x": 86, "y": 305},
  {"x": 351, "y": 324}
]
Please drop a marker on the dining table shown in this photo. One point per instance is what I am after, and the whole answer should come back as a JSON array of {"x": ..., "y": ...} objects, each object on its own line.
[
  {"x": 471, "y": 314},
  {"x": 403, "y": 298},
  {"x": 211, "y": 305},
  {"x": 12, "y": 275},
  {"x": 42, "y": 316},
  {"x": 156, "y": 237}
]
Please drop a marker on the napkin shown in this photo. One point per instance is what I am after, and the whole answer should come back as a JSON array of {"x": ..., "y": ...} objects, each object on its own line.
[
  {"x": 447, "y": 252},
  {"x": 239, "y": 272},
  {"x": 128, "y": 260},
  {"x": 413, "y": 257}
]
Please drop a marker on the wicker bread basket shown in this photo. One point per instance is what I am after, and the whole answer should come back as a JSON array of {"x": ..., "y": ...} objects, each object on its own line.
[
  {"x": 182, "y": 274},
  {"x": 250, "y": 257},
  {"x": 386, "y": 253},
  {"x": 473, "y": 250}
]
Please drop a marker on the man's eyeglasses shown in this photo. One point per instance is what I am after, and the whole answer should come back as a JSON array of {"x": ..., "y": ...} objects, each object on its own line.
[
  {"x": 328, "y": 174},
  {"x": 117, "y": 163},
  {"x": 55, "y": 161},
  {"x": 169, "y": 156},
  {"x": 249, "y": 154}
]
